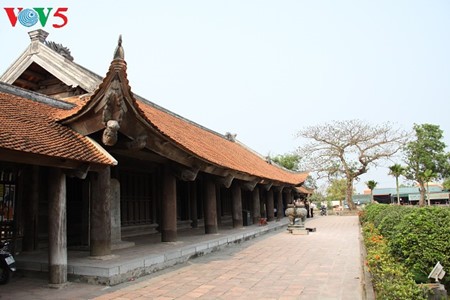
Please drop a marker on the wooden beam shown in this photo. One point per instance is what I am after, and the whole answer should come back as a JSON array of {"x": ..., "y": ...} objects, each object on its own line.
[
  {"x": 186, "y": 174},
  {"x": 25, "y": 83},
  {"x": 278, "y": 188},
  {"x": 268, "y": 186},
  {"x": 225, "y": 181},
  {"x": 37, "y": 75},
  {"x": 42, "y": 160},
  {"x": 250, "y": 185}
]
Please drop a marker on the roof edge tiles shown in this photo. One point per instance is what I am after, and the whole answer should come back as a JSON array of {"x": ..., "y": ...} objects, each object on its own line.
[{"x": 114, "y": 162}]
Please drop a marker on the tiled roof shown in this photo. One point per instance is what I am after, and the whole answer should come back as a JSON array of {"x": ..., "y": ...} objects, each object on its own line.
[
  {"x": 215, "y": 148},
  {"x": 35, "y": 129},
  {"x": 404, "y": 190},
  {"x": 304, "y": 190},
  {"x": 30, "y": 126}
]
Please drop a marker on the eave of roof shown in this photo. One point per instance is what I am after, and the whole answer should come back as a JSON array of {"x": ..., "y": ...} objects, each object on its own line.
[
  {"x": 216, "y": 149},
  {"x": 29, "y": 126}
]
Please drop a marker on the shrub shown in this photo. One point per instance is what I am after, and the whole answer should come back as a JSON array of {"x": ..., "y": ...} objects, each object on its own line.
[
  {"x": 371, "y": 211},
  {"x": 390, "y": 218},
  {"x": 391, "y": 280},
  {"x": 421, "y": 239}
]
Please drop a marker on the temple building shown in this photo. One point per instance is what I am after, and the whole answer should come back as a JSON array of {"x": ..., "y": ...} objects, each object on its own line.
[{"x": 86, "y": 162}]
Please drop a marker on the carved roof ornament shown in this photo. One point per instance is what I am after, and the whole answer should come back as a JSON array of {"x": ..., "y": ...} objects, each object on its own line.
[
  {"x": 119, "y": 53},
  {"x": 60, "y": 49},
  {"x": 113, "y": 112},
  {"x": 231, "y": 136},
  {"x": 38, "y": 35},
  {"x": 115, "y": 107}
]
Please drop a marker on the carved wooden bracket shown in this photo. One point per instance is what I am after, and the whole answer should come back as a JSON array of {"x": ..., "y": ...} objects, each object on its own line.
[
  {"x": 268, "y": 186},
  {"x": 278, "y": 189},
  {"x": 187, "y": 174},
  {"x": 250, "y": 185},
  {"x": 225, "y": 181},
  {"x": 80, "y": 173},
  {"x": 287, "y": 189},
  {"x": 138, "y": 144}
]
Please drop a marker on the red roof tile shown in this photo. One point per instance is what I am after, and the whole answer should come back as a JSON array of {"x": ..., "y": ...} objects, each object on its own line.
[
  {"x": 304, "y": 190},
  {"x": 30, "y": 126},
  {"x": 215, "y": 148}
]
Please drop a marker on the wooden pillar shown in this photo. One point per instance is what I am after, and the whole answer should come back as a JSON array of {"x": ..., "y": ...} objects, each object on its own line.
[
  {"x": 270, "y": 205},
  {"x": 193, "y": 203},
  {"x": 290, "y": 197},
  {"x": 86, "y": 190},
  {"x": 169, "y": 206},
  {"x": 236, "y": 208},
  {"x": 256, "y": 205},
  {"x": 210, "y": 206},
  {"x": 219, "y": 205},
  {"x": 100, "y": 238},
  {"x": 57, "y": 231},
  {"x": 116, "y": 228},
  {"x": 31, "y": 207},
  {"x": 279, "y": 197}
]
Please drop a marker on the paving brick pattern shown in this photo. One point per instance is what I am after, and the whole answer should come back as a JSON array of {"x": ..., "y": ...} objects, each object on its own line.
[{"x": 323, "y": 265}]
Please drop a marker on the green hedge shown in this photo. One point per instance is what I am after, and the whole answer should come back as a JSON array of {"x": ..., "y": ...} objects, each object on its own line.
[
  {"x": 390, "y": 218},
  {"x": 391, "y": 280},
  {"x": 371, "y": 212},
  {"x": 418, "y": 237},
  {"x": 421, "y": 239}
]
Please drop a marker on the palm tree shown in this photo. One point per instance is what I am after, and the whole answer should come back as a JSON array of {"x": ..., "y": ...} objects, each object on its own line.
[
  {"x": 428, "y": 175},
  {"x": 396, "y": 171},
  {"x": 371, "y": 184}
]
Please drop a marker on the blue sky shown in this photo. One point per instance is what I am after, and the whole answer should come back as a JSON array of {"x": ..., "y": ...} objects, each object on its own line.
[{"x": 264, "y": 69}]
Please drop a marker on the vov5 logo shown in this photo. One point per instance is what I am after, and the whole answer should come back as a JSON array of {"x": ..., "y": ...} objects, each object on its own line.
[{"x": 30, "y": 16}]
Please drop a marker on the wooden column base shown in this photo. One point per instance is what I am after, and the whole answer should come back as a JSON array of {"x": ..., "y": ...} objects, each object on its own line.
[
  {"x": 168, "y": 235},
  {"x": 211, "y": 229},
  {"x": 57, "y": 274}
]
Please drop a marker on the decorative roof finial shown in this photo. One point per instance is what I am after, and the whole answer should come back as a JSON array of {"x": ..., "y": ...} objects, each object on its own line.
[
  {"x": 38, "y": 35},
  {"x": 119, "y": 53}
]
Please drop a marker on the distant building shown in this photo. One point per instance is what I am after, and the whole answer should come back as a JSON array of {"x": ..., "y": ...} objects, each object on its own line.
[{"x": 408, "y": 195}]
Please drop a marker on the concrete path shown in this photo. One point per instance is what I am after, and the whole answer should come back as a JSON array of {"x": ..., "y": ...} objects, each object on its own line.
[{"x": 323, "y": 265}]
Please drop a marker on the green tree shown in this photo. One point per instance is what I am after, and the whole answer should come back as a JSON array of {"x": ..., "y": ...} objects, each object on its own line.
[
  {"x": 371, "y": 184},
  {"x": 289, "y": 161},
  {"x": 446, "y": 183},
  {"x": 348, "y": 149},
  {"x": 425, "y": 157},
  {"x": 428, "y": 175},
  {"x": 397, "y": 171},
  {"x": 317, "y": 197},
  {"x": 337, "y": 190}
]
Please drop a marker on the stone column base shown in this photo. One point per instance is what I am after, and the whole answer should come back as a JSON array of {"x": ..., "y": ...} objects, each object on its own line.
[{"x": 297, "y": 229}]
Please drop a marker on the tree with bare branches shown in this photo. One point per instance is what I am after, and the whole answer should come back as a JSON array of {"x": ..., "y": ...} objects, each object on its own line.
[{"x": 348, "y": 149}]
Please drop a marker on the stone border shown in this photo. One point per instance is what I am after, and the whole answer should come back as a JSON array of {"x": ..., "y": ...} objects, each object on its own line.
[{"x": 366, "y": 280}]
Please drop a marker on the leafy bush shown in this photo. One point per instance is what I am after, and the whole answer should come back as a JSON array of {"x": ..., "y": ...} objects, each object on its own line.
[
  {"x": 421, "y": 239},
  {"x": 371, "y": 211},
  {"x": 391, "y": 280},
  {"x": 390, "y": 218}
]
